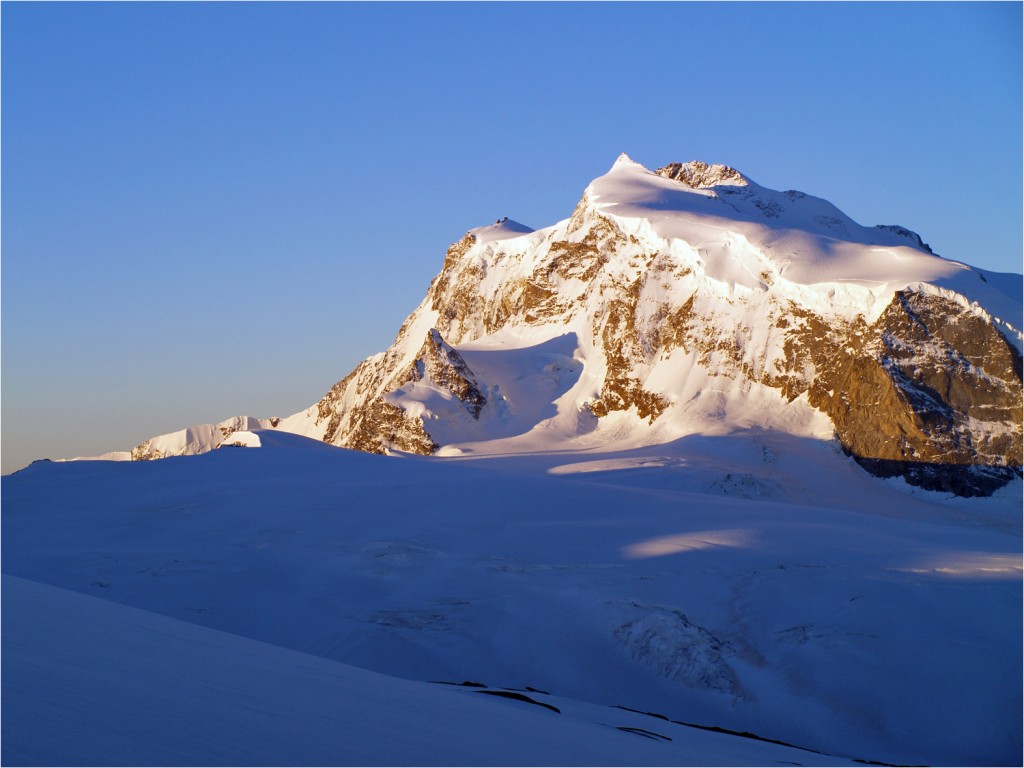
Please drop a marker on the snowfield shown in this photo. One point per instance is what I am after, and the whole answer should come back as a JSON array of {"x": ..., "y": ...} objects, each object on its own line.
[
  {"x": 289, "y": 604},
  {"x": 142, "y": 689}
]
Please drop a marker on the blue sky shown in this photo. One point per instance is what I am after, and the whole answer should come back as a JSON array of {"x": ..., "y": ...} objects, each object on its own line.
[{"x": 214, "y": 209}]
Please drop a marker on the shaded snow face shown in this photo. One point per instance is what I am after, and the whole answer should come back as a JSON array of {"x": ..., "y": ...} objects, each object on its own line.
[
  {"x": 641, "y": 578},
  {"x": 137, "y": 685}
]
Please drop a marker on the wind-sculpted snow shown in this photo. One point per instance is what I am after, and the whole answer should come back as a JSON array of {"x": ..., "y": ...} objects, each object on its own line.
[
  {"x": 807, "y": 239},
  {"x": 665, "y": 640},
  {"x": 844, "y": 614}
]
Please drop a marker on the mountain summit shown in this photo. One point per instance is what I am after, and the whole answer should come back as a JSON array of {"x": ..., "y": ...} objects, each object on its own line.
[{"x": 692, "y": 300}]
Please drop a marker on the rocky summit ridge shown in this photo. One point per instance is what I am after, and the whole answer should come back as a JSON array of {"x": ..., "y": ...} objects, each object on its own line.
[{"x": 692, "y": 300}]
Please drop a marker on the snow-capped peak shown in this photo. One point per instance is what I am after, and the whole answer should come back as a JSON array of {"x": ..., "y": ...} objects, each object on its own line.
[
  {"x": 503, "y": 229},
  {"x": 741, "y": 229},
  {"x": 624, "y": 159}
]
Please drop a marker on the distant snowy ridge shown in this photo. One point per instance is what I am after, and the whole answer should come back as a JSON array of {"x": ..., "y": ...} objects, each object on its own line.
[
  {"x": 193, "y": 440},
  {"x": 692, "y": 300}
]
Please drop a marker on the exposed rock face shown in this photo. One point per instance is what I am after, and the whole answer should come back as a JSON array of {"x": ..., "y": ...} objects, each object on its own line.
[
  {"x": 949, "y": 387},
  {"x": 145, "y": 451},
  {"x": 625, "y": 348},
  {"x": 930, "y": 391},
  {"x": 453, "y": 299},
  {"x": 355, "y": 413},
  {"x": 369, "y": 423},
  {"x": 438, "y": 362},
  {"x": 701, "y": 175}
]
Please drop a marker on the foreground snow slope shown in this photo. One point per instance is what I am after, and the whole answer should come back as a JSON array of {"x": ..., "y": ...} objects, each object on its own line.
[
  {"x": 91, "y": 682},
  {"x": 752, "y": 580}
]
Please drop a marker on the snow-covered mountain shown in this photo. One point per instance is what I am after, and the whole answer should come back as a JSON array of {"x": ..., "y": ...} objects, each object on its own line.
[{"x": 691, "y": 300}]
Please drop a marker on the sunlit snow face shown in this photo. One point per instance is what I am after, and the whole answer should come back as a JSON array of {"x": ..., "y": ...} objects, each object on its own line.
[
  {"x": 804, "y": 239},
  {"x": 968, "y": 565},
  {"x": 688, "y": 542}
]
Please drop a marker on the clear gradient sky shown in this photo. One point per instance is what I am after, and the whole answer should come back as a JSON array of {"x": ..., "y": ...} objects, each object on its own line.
[{"x": 219, "y": 209}]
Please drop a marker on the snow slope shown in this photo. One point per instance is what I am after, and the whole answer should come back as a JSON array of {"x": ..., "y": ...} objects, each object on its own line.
[
  {"x": 502, "y": 229},
  {"x": 753, "y": 581},
  {"x": 91, "y": 682}
]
